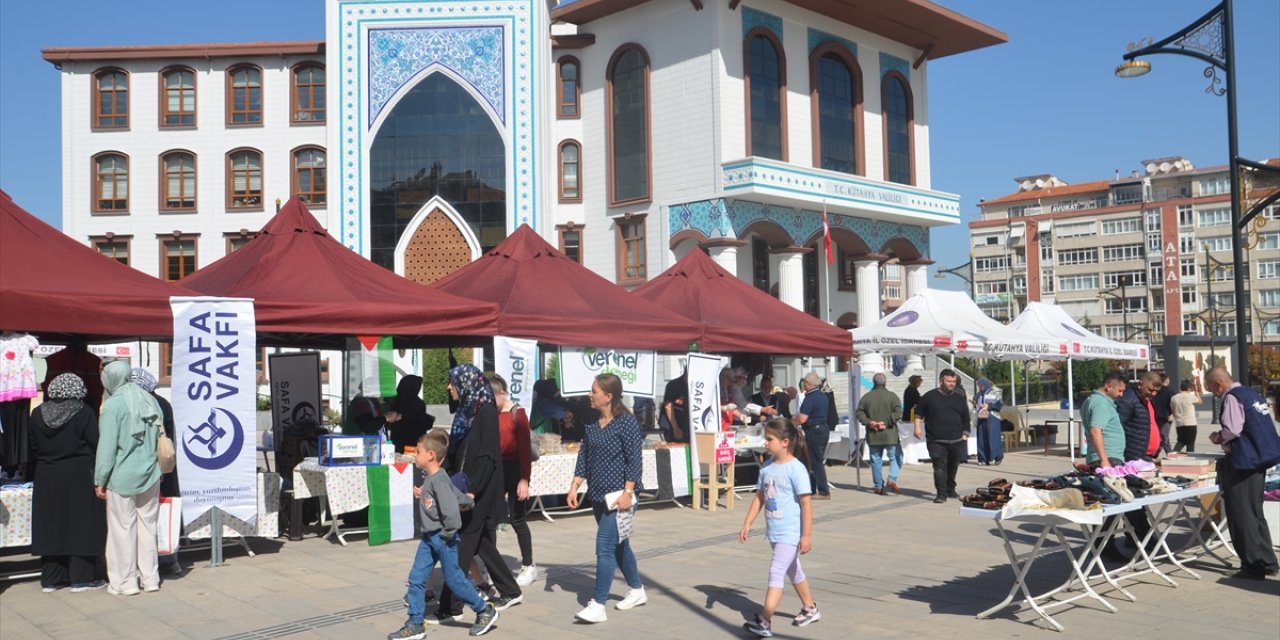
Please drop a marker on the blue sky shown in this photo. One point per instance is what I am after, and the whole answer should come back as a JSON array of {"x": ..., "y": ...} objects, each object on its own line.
[{"x": 1046, "y": 102}]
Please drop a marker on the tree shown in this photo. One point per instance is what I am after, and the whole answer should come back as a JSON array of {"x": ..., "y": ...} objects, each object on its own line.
[
  {"x": 1088, "y": 375},
  {"x": 1264, "y": 364}
]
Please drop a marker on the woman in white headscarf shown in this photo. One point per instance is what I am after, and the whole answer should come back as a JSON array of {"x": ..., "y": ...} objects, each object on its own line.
[{"x": 127, "y": 476}]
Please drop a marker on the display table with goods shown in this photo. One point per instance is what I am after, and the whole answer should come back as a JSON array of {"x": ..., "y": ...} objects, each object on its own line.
[
  {"x": 15, "y": 514},
  {"x": 1053, "y": 510},
  {"x": 346, "y": 489},
  {"x": 665, "y": 472}
]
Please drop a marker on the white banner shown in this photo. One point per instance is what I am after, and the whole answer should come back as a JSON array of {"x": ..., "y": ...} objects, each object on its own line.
[
  {"x": 516, "y": 361},
  {"x": 704, "y": 399},
  {"x": 579, "y": 367},
  {"x": 295, "y": 391},
  {"x": 214, "y": 405}
]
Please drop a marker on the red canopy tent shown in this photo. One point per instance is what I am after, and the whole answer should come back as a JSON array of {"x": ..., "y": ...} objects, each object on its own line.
[
  {"x": 309, "y": 290},
  {"x": 739, "y": 317},
  {"x": 545, "y": 296},
  {"x": 63, "y": 291}
]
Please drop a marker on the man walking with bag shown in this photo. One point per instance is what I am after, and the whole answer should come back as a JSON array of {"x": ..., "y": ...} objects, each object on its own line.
[{"x": 878, "y": 411}]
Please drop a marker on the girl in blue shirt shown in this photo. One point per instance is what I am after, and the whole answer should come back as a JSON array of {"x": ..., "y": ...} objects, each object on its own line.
[{"x": 785, "y": 496}]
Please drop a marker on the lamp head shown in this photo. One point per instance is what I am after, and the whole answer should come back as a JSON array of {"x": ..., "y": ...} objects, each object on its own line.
[{"x": 1133, "y": 69}]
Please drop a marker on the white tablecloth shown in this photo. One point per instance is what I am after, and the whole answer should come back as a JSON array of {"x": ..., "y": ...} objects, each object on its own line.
[
  {"x": 551, "y": 474},
  {"x": 914, "y": 450},
  {"x": 346, "y": 486},
  {"x": 15, "y": 517},
  {"x": 267, "y": 524}
]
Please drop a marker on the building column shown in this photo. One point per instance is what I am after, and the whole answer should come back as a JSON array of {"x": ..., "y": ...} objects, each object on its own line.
[
  {"x": 791, "y": 275},
  {"x": 724, "y": 251},
  {"x": 867, "y": 282},
  {"x": 917, "y": 280}
]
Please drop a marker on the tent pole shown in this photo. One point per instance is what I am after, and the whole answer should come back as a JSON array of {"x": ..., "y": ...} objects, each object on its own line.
[
  {"x": 1013, "y": 385},
  {"x": 1071, "y": 413}
]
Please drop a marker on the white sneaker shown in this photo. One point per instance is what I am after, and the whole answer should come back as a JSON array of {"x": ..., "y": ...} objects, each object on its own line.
[
  {"x": 635, "y": 598},
  {"x": 527, "y": 575},
  {"x": 128, "y": 591},
  {"x": 593, "y": 612}
]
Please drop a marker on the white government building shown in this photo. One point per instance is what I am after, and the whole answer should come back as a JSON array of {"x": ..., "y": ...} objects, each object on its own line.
[{"x": 627, "y": 132}]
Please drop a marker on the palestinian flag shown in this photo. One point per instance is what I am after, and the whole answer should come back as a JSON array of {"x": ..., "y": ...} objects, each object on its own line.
[
  {"x": 377, "y": 366},
  {"x": 390, "y": 502}
]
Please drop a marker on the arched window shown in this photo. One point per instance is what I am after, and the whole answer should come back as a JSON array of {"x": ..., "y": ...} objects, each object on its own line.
[
  {"x": 898, "y": 120},
  {"x": 178, "y": 97},
  {"x": 309, "y": 175},
  {"x": 244, "y": 179},
  {"x": 570, "y": 171},
  {"x": 766, "y": 80},
  {"x": 244, "y": 95},
  {"x": 569, "y": 89},
  {"x": 178, "y": 181},
  {"x": 111, "y": 99},
  {"x": 628, "y": 125},
  {"x": 837, "y": 109},
  {"x": 111, "y": 182},
  {"x": 308, "y": 93}
]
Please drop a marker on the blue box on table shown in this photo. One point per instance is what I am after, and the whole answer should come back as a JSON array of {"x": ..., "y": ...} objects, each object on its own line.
[{"x": 350, "y": 451}]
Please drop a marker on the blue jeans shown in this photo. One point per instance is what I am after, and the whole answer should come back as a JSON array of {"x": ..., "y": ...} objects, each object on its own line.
[
  {"x": 990, "y": 442},
  {"x": 894, "y": 451},
  {"x": 816, "y": 439},
  {"x": 432, "y": 549},
  {"x": 611, "y": 554}
]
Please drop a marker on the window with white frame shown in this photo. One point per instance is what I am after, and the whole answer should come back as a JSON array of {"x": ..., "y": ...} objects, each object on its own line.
[
  {"x": 1190, "y": 325},
  {"x": 1046, "y": 281},
  {"x": 1114, "y": 332},
  {"x": 1157, "y": 302},
  {"x": 1135, "y": 279},
  {"x": 1268, "y": 241},
  {"x": 1156, "y": 273},
  {"x": 1268, "y": 269},
  {"x": 1123, "y": 252},
  {"x": 1269, "y": 297},
  {"x": 1078, "y": 256},
  {"x": 1154, "y": 242},
  {"x": 1215, "y": 217},
  {"x": 1271, "y": 327},
  {"x": 891, "y": 292},
  {"x": 1215, "y": 186},
  {"x": 1222, "y": 273},
  {"x": 1225, "y": 328},
  {"x": 1020, "y": 284},
  {"x": 1188, "y": 269},
  {"x": 1078, "y": 283},
  {"x": 1000, "y": 286},
  {"x": 1123, "y": 225},
  {"x": 997, "y": 263},
  {"x": 1046, "y": 253},
  {"x": 1190, "y": 296},
  {"x": 989, "y": 240},
  {"x": 1127, "y": 194},
  {"x": 1187, "y": 243},
  {"x": 1076, "y": 229},
  {"x": 1153, "y": 218},
  {"x": 1272, "y": 212},
  {"x": 1186, "y": 217},
  {"x": 891, "y": 272},
  {"x": 1218, "y": 243},
  {"x": 1224, "y": 300},
  {"x": 1117, "y": 306}
]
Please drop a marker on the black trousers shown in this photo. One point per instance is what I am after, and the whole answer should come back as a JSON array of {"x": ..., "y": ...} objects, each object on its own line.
[
  {"x": 946, "y": 458},
  {"x": 57, "y": 571},
  {"x": 518, "y": 510},
  {"x": 1242, "y": 500},
  {"x": 1186, "y": 438},
  {"x": 482, "y": 544}
]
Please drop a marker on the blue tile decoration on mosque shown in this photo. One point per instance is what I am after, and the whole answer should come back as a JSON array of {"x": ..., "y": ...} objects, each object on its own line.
[
  {"x": 893, "y": 63},
  {"x": 721, "y": 218},
  {"x": 818, "y": 38},
  {"x": 752, "y": 18},
  {"x": 475, "y": 54}
]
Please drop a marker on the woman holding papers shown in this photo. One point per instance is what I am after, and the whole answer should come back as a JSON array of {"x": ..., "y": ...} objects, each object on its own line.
[{"x": 610, "y": 462}]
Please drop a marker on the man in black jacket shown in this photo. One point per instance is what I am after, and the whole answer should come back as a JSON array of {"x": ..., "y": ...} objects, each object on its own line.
[
  {"x": 1164, "y": 409},
  {"x": 1141, "y": 440}
]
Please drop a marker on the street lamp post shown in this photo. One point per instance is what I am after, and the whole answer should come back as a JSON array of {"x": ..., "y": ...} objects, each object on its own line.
[
  {"x": 1211, "y": 39},
  {"x": 1124, "y": 306}
]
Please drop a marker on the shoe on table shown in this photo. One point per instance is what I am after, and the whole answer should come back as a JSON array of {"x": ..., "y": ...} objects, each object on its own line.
[
  {"x": 442, "y": 617},
  {"x": 528, "y": 574},
  {"x": 502, "y": 603},
  {"x": 484, "y": 620},
  {"x": 940, "y": 499},
  {"x": 409, "y": 631},
  {"x": 759, "y": 626},
  {"x": 127, "y": 591},
  {"x": 807, "y": 615},
  {"x": 633, "y": 599},
  {"x": 593, "y": 612}
]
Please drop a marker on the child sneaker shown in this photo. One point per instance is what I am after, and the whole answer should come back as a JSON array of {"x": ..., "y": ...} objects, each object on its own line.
[
  {"x": 502, "y": 603},
  {"x": 593, "y": 612},
  {"x": 759, "y": 626},
  {"x": 484, "y": 621},
  {"x": 408, "y": 632},
  {"x": 807, "y": 615},
  {"x": 635, "y": 598},
  {"x": 527, "y": 575}
]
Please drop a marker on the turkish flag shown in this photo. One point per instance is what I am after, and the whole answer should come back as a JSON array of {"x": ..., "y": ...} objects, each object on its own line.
[{"x": 826, "y": 236}]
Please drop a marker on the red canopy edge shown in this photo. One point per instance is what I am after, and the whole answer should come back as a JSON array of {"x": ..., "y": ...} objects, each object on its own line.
[{"x": 739, "y": 317}]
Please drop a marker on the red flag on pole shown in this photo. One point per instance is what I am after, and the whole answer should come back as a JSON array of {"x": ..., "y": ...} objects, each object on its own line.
[{"x": 826, "y": 236}]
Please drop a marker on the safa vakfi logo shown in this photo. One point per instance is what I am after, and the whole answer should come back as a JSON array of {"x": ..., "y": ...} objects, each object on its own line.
[
  {"x": 204, "y": 444},
  {"x": 217, "y": 441},
  {"x": 903, "y": 319}
]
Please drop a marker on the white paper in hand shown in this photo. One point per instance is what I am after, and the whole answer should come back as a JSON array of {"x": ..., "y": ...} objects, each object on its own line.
[{"x": 611, "y": 499}]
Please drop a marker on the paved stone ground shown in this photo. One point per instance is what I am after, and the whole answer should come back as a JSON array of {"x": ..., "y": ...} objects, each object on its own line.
[{"x": 882, "y": 567}]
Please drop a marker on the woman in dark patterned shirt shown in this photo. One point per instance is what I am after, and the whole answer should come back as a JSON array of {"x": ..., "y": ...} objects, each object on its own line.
[{"x": 610, "y": 461}]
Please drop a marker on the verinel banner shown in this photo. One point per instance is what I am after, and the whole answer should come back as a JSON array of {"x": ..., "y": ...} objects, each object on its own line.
[
  {"x": 579, "y": 367},
  {"x": 214, "y": 404},
  {"x": 295, "y": 391},
  {"x": 516, "y": 361}
]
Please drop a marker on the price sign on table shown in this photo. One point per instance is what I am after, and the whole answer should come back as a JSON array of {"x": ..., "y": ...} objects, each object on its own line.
[{"x": 724, "y": 447}]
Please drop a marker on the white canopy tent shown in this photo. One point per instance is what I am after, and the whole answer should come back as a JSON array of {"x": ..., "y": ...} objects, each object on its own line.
[{"x": 1050, "y": 319}]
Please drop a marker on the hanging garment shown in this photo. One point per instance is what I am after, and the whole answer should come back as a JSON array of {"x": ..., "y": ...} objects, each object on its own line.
[{"x": 17, "y": 369}]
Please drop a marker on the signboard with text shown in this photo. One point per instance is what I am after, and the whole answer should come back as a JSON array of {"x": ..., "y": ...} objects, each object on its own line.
[{"x": 579, "y": 367}]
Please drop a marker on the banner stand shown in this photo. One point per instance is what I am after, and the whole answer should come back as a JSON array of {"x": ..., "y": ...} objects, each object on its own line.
[{"x": 215, "y": 540}]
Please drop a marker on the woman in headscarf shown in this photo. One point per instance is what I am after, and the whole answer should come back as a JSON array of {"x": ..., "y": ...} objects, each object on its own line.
[
  {"x": 68, "y": 524},
  {"x": 127, "y": 476},
  {"x": 407, "y": 415},
  {"x": 474, "y": 460},
  {"x": 169, "y": 481},
  {"x": 987, "y": 405}
]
